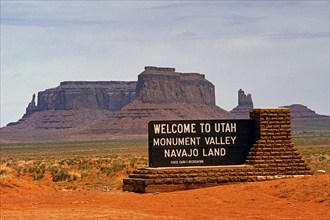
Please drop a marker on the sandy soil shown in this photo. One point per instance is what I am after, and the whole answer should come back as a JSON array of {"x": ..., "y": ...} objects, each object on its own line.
[{"x": 298, "y": 198}]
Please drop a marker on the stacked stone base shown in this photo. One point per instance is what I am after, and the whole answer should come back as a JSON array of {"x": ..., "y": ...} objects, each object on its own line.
[
  {"x": 152, "y": 180},
  {"x": 271, "y": 157},
  {"x": 149, "y": 180}
]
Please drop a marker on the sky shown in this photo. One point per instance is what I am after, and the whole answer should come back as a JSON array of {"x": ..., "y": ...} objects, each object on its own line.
[{"x": 276, "y": 50}]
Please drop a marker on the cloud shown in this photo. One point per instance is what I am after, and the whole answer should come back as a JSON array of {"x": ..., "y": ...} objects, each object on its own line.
[{"x": 259, "y": 46}]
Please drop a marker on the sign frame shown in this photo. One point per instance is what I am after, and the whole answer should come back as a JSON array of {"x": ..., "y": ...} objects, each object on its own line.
[{"x": 182, "y": 143}]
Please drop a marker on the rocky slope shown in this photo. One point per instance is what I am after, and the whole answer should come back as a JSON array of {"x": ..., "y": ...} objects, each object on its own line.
[
  {"x": 301, "y": 112},
  {"x": 89, "y": 109},
  {"x": 304, "y": 118},
  {"x": 72, "y": 95},
  {"x": 85, "y": 110}
]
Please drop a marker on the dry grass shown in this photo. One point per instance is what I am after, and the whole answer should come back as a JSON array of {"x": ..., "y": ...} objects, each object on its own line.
[
  {"x": 81, "y": 165},
  {"x": 6, "y": 173},
  {"x": 79, "y": 172}
]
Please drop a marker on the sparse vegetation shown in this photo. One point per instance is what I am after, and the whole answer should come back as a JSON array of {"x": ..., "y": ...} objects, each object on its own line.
[
  {"x": 77, "y": 165},
  {"x": 314, "y": 146}
]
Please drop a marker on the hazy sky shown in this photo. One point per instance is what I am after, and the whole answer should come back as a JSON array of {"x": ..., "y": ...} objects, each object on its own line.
[{"x": 276, "y": 50}]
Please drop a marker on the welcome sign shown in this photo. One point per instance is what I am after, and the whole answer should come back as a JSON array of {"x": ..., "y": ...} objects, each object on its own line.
[{"x": 199, "y": 142}]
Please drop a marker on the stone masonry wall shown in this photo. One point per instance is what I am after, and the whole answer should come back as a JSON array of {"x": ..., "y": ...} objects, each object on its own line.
[
  {"x": 273, "y": 153},
  {"x": 272, "y": 156}
]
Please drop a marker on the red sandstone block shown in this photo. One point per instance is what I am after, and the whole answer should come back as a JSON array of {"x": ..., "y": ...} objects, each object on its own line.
[
  {"x": 243, "y": 179},
  {"x": 274, "y": 153},
  {"x": 252, "y": 179},
  {"x": 263, "y": 124},
  {"x": 272, "y": 114},
  {"x": 270, "y": 141},
  {"x": 188, "y": 180},
  {"x": 212, "y": 179},
  {"x": 271, "y": 122},
  {"x": 261, "y": 165},
  {"x": 222, "y": 180},
  {"x": 200, "y": 180},
  {"x": 178, "y": 180},
  {"x": 301, "y": 172},
  {"x": 232, "y": 179},
  {"x": 149, "y": 181},
  {"x": 158, "y": 181}
]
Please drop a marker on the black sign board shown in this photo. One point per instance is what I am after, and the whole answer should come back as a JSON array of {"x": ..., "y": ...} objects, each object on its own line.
[{"x": 199, "y": 142}]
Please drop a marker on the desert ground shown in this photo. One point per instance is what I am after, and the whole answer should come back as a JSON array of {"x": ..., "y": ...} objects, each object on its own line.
[
  {"x": 83, "y": 180},
  {"x": 298, "y": 198}
]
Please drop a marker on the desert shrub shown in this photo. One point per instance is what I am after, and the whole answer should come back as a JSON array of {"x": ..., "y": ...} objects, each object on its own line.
[
  {"x": 132, "y": 162},
  {"x": 53, "y": 170},
  {"x": 82, "y": 164},
  {"x": 118, "y": 166},
  {"x": 4, "y": 169},
  {"x": 60, "y": 175},
  {"x": 5, "y": 172},
  {"x": 317, "y": 157},
  {"x": 19, "y": 171},
  {"x": 37, "y": 171},
  {"x": 73, "y": 176},
  {"x": 107, "y": 170},
  {"x": 84, "y": 175},
  {"x": 34, "y": 170}
]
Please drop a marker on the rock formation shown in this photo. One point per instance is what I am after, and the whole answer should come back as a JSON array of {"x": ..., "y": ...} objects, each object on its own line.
[
  {"x": 31, "y": 107},
  {"x": 164, "y": 85},
  {"x": 85, "y": 109},
  {"x": 155, "y": 85},
  {"x": 70, "y": 95},
  {"x": 244, "y": 106},
  {"x": 303, "y": 118},
  {"x": 301, "y": 112}
]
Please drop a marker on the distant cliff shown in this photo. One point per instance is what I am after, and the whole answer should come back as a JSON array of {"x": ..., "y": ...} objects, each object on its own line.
[
  {"x": 70, "y": 95},
  {"x": 164, "y": 85},
  {"x": 102, "y": 109},
  {"x": 301, "y": 112},
  {"x": 154, "y": 85},
  {"x": 117, "y": 107}
]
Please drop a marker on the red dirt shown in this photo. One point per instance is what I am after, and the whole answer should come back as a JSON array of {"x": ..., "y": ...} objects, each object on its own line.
[{"x": 298, "y": 198}]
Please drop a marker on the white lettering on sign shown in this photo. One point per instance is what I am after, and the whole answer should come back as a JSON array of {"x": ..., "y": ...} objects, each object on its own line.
[
  {"x": 175, "y": 128},
  {"x": 225, "y": 127},
  {"x": 180, "y": 152},
  {"x": 205, "y": 127},
  {"x": 214, "y": 152},
  {"x": 220, "y": 140},
  {"x": 184, "y": 141}
]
